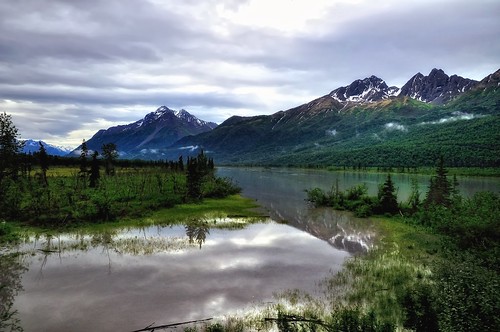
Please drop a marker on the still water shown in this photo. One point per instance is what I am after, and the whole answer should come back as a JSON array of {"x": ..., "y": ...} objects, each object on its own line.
[{"x": 129, "y": 279}]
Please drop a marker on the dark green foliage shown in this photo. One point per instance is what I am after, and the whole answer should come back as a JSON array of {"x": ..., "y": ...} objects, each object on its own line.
[
  {"x": 217, "y": 187},
  {"x": 356, "y": 199},
  {"x": 83, "y": 158},
  {"x": 10, "y": 146},
  {"x": 440, "y": 189},
  {"x": 354, "y": 320},
  {"x": 387, "y": 197},
  {"x": 467, "y": 295},
  {"x": 44, "y": 163},
  {"x": 94, "y": 171},
  {"x": 199, "y": 170},
  {"x": 110, "y": 154},
  {"x": 467, "y": 278},
  {"x": 419, "y": 304}
]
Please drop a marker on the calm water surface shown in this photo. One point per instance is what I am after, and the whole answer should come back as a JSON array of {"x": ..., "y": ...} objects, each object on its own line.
[{"x": 128, "y": 279}]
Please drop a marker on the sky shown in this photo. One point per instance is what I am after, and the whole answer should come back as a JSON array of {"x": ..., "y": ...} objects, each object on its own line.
[{"x": 69, "y": 68}]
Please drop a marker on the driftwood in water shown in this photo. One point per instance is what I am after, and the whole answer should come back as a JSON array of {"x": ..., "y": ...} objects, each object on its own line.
[
  {"x": 48, "y": 251},
  {"x": 296, "y": 319},
  {"x": 152, "y": 328}
]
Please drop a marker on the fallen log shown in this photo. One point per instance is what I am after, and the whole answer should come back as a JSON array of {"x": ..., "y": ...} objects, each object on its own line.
[{"x": 152, "y": 328}]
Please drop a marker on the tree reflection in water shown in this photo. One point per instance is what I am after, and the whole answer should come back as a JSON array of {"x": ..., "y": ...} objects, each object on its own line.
[
  {"x": 12, "y": 267},
  {"x": 197, "y": 231}
]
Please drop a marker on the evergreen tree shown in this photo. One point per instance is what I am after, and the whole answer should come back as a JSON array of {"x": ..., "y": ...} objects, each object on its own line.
[
  {"x": 387, "y": 197},
  {"x": 180, "y": 164},
  {"x": 439, "y": 187},
  {"x": 94, "y": 171},
  {"x": 10, "y": 146},
  {"x": 110, "y": 154},
  {"x": 44, "y": 163},
  {"x": 84, "y": 153},
  {"x": 83, "y": 163},
  {"x": 194, "y": 179}
]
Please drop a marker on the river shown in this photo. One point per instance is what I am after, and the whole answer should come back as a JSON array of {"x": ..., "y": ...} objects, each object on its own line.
[{"x": 131, "y": 278}]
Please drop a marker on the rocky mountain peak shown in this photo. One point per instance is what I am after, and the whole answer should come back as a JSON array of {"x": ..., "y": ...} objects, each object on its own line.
[
  {"x": 437, "y": 87},
  {"x": 370, "y": 89},
  {"x": 156, "y": 130}
]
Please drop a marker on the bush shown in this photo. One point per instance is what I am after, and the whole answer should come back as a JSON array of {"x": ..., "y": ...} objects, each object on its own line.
[{"x": 220, "y": 188}]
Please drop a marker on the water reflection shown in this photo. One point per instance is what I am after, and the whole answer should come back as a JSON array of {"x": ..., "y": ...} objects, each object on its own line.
[
  {"x": 282, "y": 192},
  {"x": 123, "y": 290},
  {"x": 197, "y": 231},
  {"x": 12, "y": 267}
]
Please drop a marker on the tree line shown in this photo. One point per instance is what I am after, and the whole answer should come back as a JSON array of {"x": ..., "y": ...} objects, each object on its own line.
[{"x": 92, "y": 188}]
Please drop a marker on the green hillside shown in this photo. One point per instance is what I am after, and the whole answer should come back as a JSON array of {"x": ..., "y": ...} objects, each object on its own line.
[{"x": 398, "y": 131}]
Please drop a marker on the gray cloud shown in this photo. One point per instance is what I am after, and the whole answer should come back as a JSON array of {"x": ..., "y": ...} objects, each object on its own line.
[{"x": 125, "y": 58}]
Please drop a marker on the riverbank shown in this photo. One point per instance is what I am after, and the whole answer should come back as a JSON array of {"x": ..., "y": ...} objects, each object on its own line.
[
  {"x": 234, "y": 206},
  {"x": 458, "y": 171}
]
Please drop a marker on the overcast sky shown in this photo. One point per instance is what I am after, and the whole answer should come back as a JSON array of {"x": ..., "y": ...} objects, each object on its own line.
[{"x": 69, "y": 68}]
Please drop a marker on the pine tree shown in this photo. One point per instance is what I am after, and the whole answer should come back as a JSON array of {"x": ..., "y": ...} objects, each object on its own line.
[
  {"x": 193, "y": 181},
  {"x": 439, "y": 187},
  {"x": 44, "y": 163},
  {"x": 387, "y": 197},
  {"x": 83, "y": 163},
  {"x": 94, "y": 171},
  {"x": 84, "y": 153},
  {"x": 10, "y": 146},
  {"x": 110, "y": 154}
]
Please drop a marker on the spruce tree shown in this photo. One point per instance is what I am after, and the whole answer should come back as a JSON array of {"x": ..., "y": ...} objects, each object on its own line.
[
  {"x": 83, "y": 163},
  {"x": 387, "y": 197},
  {"x": 193, "y": 180},
  {"x": 44, "y": 163},
  {"x": 439, "y": 187},
  {"x": 10, "y": 146},
  {"x": 94, "y": 171},
  {"x": 110, "y": 154}
]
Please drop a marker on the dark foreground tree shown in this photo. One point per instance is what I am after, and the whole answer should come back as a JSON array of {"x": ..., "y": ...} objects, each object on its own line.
[
  {"x": 110, "y": 154},
  {"x": 10, "y": 146},
  {"x": 94, "y": 171},
  {"x": 44, "y": 163},
  {"x": 387, "y": 197},
  {"x": 440, "y": 188}
]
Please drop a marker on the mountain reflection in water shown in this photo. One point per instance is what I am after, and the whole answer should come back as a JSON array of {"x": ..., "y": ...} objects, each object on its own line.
[{"x": 282, "y": 192}]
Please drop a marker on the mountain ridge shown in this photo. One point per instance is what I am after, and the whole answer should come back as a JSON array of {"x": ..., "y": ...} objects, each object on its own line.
[
  {"x": 31, "y": 146},
  {"x": 156, "y": 130},
  {"x": 328, "y": 126}
]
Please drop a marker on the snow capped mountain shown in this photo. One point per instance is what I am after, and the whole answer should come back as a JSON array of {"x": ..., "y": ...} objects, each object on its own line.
[
  {"x": 370, "y": 89},
  {"x": 437, "y": 87},
  {"x": 156, "y": 130},
  {"x": 31, "y": 146}
]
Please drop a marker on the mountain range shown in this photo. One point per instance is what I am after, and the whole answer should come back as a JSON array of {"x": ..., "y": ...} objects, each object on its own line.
[
  {"x": 370, "y": 123},
  {"x": 364, "y": 123},
  {"x": 31, "y": 146}
]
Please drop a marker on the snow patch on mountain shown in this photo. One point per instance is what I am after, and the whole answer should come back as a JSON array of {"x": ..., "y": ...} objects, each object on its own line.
[{"x": 369, "y": 90}]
